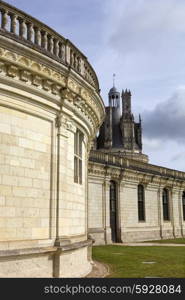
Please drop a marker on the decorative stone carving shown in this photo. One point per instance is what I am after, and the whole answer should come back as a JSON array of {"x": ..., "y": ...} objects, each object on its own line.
[
  {"x": 37, "y": 80},
  {"x": 25, "y": 75},
  {"x": 12, "y": 71},
  {"x": 73, "y": 92}
]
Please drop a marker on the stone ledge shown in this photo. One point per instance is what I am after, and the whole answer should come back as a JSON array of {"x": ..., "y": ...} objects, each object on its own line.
[
  {"x": 74, "y": 246},
  {"x": 28, "y": 251},
  {"x": 96, "y": 230},
  {"x": 25, "y": 244},
  {"x": 63, "y": 247}
]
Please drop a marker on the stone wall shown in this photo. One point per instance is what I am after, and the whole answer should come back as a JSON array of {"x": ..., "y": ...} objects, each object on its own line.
[
  {"x": 25, "y": 168},
  {"x": 129, "y": 228},
  {"x": 45, "y": 97}
]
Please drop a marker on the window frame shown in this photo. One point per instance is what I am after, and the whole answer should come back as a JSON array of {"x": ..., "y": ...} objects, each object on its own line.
[
  {"x": 141, "y": 203},
  {"x": 78, "y": 154},
  {"x": 183, "y": 205},
  {"x": 166, "y": 204}
]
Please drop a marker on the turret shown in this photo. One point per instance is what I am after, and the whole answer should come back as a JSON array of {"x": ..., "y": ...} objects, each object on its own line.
[
  {"x": 120, "y": 133},
  {"x": 114, "y": 98},
  {"x": 126, "y": 102}
]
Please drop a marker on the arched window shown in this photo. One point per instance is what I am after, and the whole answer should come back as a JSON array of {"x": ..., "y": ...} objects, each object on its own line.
[
  {"x": 141, "y": 202},
  {"x": 183, "y": 205},
  {"x": 113, "y": 211},
  {"x": 78, "y": 141},
  {"x": 166, "y": 214},
  {"x": 113, "y": 196}
]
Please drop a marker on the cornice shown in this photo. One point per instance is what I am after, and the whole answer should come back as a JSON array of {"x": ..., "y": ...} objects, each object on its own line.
[
  {"x": 59, "y": 85},
  {"x": 125, "y": 175}
]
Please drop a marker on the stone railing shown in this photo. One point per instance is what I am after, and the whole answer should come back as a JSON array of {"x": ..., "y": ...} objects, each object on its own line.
[
  {"x": 27, "y": 30},
  {"x": 116, "y": 160}
]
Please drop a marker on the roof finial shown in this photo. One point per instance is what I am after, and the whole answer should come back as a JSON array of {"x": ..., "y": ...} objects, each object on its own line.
[{"x": 114, "y": 75}]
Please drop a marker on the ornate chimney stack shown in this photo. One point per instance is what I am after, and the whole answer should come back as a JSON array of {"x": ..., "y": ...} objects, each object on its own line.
[
  {"x": 126, "y": 102},
  {"x": 119, "y": 132}
]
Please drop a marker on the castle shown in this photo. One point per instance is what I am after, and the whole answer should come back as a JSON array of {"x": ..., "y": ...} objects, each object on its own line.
[
  {"x": 61, "y": 187},
  {"x": 129, "y": 199}
]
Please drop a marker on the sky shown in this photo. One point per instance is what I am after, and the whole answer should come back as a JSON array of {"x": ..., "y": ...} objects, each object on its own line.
[{"x": 143, "y": 43}]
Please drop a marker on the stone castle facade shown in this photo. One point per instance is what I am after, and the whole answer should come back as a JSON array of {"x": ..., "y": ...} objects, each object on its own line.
[
  {"x": 129, "y": 199},
  {"x": 56, "y": 195},
  {"x": 50, "y": 111}
]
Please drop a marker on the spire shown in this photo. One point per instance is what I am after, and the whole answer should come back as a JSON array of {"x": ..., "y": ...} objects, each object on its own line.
[{"x": 114, "y": 75}]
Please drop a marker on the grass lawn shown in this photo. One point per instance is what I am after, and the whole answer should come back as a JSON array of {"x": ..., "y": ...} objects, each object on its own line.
[
  {"x": 170, "y": 241},
  {"x": 130, "y": 261}
]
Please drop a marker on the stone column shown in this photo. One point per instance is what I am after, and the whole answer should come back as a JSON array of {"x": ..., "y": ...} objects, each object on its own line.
[
  {"x": 58, "y": 125},
  {"x": 122, "y": 224},
  {"x": 106, "y": 210},
  {"x": 172, "y": 210},
  {"x": 87, "y": 151},
  {"x": 181, "y": 221},
  {"x": 160, "y": 211},
  {"x": 176, "y": 213},
  {"x": 118, "y": 209}
]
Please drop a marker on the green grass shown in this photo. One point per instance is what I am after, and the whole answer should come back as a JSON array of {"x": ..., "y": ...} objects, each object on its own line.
[
  {"x": 169, "y": 241},
  {"x": 126, "y": 261}
]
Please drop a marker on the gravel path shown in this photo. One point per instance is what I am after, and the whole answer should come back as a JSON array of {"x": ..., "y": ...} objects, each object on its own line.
[{"x": 99, "y": 270}]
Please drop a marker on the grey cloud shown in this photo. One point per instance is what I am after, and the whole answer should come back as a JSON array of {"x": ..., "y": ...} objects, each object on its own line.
[
  {"x": 178, "y": 157},
  {"x": 148, "y": 25},
  {"x": 167, "y": 120}
]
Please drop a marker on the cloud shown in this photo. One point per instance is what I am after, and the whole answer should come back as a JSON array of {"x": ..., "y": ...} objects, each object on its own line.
[
  {"x": 178, "y": 156},
  {"x": 167, "y": 120},
  {"x": 147, "y": 25},
  {"x": 151, "y": 144},
  {"x": 144, "y": 45}
]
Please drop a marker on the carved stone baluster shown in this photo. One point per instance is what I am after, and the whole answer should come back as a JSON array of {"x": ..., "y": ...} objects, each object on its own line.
[
  {"x": 85, "y": 71},
  {"x": 72, "y": 58},
  {"x": 4, "y": 20},
  {"x": 62, "y": 51},
  {"x": 37, "y": 36},
  {"x": 82, "y": 67},
  {"x": 79, "y": 65},
  {"x": 56, "y": 47},
  {"x": 30, "y": 32},
  {"x": 75, "y": 62},
  {"x": 44, "y": 41},
  {"x": 21, "y": 28},
  {"x": 50, "y": 45},
  {"x": 13, "y": 23}
]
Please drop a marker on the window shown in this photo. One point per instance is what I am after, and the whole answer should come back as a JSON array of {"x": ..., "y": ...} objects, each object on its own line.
[
  {"x": 141, "y": 203},
  {"x": 166, "y": 215},
  {"x": 113, "y": 196},
  {"x": 78, "y": 139},
  {"x": 183, "y": 205}
]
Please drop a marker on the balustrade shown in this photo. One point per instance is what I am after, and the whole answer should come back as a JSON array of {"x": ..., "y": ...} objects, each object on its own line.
[
  {"x": 103, "y": 157},
  {"x": 27, "y": 29}
]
